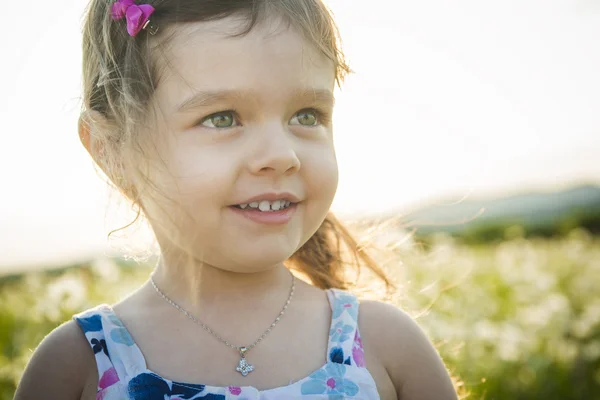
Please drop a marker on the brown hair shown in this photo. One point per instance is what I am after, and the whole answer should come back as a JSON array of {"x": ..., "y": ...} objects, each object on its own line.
[{"x": 119, "y": 78}]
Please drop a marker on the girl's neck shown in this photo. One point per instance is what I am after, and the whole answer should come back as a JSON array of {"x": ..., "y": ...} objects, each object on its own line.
[{"x": 200, "y": 288}]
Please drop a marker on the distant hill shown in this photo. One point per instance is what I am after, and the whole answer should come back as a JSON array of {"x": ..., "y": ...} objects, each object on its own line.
[{"x": 528, "y": 209}]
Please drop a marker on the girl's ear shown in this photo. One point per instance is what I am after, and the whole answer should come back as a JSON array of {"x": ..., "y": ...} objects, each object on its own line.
[{"x": 90, "y": 126}]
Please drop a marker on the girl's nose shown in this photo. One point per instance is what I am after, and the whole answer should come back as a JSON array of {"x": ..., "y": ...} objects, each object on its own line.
[{"x": 274, "y": 151}]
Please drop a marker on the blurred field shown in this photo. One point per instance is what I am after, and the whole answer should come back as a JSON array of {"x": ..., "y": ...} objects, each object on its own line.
[{"x": 516, "y": 319}]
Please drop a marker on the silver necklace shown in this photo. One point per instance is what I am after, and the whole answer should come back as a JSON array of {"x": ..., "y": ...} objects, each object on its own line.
[{"x": 243, "y": 367}]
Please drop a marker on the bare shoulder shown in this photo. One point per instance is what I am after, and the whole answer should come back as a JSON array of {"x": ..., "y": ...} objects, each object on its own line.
[
  {"x": 62, "y": 367},
  {"x": 410, "y": 359}
]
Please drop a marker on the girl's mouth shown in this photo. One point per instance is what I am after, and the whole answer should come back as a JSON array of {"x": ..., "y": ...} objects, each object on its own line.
[
  {"x": 266, "y": 206},
  {"x": 267, "y": 212}
]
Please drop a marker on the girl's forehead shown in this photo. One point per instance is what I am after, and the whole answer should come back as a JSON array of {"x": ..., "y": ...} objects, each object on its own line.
[{"x": 272, "y": 59}]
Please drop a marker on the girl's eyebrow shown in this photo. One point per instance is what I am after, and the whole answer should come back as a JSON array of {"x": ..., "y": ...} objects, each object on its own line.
[
  {"x": 317, "y": 95},
  {"x": 204, "y": 98}
]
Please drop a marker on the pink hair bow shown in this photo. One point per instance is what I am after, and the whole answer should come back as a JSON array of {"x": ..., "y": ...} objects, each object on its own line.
[{"x": 137, "y": 16}]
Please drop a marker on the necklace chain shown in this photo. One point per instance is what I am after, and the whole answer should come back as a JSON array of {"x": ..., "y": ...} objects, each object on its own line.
[{"x": 241, "y": 349}]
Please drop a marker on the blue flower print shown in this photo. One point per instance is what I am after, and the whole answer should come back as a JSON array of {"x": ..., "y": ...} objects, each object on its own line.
[
  {"x": 336, "y": 355},
  {"x": 340, "y": 332},
  {"x": 345, "y": 303},
  {"x": 120, "y": 334},
  {"x": 330, "y": 381},
  {"x": 147, "y": 386},
  {"x": 91, "y": 324}
]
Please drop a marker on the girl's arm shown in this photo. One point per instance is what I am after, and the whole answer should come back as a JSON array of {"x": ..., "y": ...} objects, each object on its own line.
[
  {"x": 60, "y": 367},
  {"x": 411, "y": 361}
]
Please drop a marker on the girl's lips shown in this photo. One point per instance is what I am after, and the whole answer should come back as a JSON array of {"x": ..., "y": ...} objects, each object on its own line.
[
  {"x": 279, "y": 217},
  {"x": 272, "y": 196}
]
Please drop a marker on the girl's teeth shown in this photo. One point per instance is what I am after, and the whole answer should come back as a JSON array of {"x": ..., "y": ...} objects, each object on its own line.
[
  {"x": 276, "y": 205},
  {"x": 264, "y": 206}
]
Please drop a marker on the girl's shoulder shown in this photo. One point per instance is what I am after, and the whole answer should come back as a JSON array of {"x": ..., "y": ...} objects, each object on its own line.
[
  {"x": 62, "y": 367},
  {"x": 410, "y": 359}
]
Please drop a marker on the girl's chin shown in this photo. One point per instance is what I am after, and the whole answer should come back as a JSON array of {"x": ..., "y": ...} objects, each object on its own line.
[{"x": 257, "y": 262}]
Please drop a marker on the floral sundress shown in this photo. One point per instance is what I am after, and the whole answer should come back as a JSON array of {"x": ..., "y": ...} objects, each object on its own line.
[{"x": 123, "y": 374}]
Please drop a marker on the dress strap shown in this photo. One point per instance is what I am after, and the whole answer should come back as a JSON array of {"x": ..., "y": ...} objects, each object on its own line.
[
  {"x": 117, "y": 356},
  {"x": 345, "y": 345}
]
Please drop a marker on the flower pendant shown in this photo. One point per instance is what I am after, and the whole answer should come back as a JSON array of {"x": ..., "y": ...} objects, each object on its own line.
[{"x": 243, "y": 367}]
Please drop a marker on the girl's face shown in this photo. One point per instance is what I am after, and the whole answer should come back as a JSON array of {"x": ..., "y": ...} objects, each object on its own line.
[{"x": 244, "y": 119}]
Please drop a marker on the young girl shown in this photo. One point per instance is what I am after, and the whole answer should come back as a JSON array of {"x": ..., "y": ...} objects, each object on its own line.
[{"x": 214, "y": 117}]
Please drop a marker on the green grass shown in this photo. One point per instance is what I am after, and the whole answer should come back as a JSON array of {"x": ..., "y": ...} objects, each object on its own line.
[
  {"x": 515, "y": 320},
  {"x": 519, "y": 319}
]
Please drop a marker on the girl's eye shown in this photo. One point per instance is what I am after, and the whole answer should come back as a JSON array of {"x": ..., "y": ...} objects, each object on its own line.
[
  {"x": 305, "y": 118},
  {"x": 224, "y": 119}
]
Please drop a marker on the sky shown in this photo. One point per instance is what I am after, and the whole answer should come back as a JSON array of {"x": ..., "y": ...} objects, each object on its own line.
[{"x": 448, "y": 98}]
